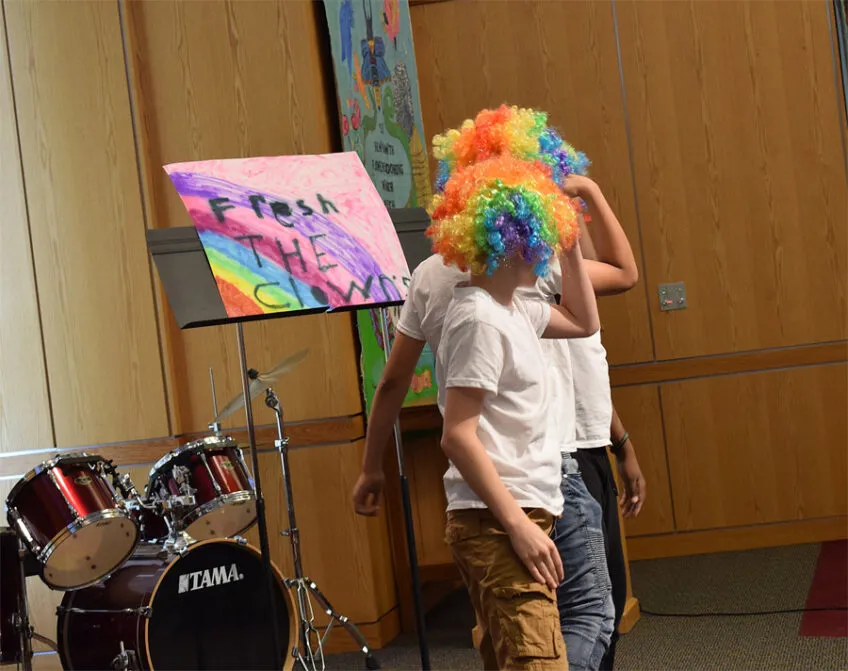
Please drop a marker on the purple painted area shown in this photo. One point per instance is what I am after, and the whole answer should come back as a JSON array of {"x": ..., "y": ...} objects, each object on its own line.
[{"x": 340, "y": 246}]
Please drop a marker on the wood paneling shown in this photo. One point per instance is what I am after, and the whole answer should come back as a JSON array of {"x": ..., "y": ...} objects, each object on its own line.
[
  {"x": 426, "y": 465},
  {"x": 738, "y": 538},
  {"x": 347, "y": 555},
  {"x": 758, "y": 448},
  {"x": 560, "y": 57},
  {"x": 639, "y": 410},
  {"x": 227, "y": 80},
  {"x": 94, "y": 286},
  {"x": 725, "y": 364},
  {"x": 740, "y": 172},
  {"x": 300, "y": 434},
  {"x": 24, "y": 403}
]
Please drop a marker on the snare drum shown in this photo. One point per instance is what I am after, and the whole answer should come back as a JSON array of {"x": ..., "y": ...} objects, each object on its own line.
[
  {"x": 72, "y": 520},
  {"x": 213, "y": 471},
  {"x": 202, "y": 609}
]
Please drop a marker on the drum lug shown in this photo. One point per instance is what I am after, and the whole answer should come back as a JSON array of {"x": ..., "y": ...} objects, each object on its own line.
[
  {"x": 241, "y": 540},
  {"x": 212, "y": 478},
  {"x": 71, "y": 507},
  {"x": 23, "y": 530}
]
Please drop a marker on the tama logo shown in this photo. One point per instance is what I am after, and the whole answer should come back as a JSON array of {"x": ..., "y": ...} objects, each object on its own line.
[{"x": 221, "y": 575}]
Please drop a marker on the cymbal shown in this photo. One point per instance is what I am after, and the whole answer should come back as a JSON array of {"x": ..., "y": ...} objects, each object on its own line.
[{"x": 262, "y": 382}]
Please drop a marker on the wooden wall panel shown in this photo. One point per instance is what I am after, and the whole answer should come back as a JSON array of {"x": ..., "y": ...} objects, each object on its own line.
[
  {"x": 739, "y": 170},
  {"x": 226, "y": 80},
  {"x": 24, "y": 403},
  {"x": 758, "y": 448},
  {"x": 556, "y": 56},
  {"x": 639, "y": 410},
  {"x": 425, "y": 465},
  {"x": 94, "y": 285},
  {"x": 347, "y": 555}
]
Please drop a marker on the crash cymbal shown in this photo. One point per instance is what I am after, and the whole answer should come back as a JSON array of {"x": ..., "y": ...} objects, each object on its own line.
[{"x": 261, "y": 382}]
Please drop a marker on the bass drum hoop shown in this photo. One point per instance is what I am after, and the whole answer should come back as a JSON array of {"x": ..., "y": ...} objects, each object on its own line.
[{"x": 294, "y": 616}]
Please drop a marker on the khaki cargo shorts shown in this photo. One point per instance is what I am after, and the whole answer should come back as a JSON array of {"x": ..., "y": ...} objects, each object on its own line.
[{"x": 518, "y": 615}]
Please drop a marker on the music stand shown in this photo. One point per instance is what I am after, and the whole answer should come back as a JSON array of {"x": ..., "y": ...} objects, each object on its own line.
[
  {"x": 195, "y": 302},
  {"x": 410, "y": 225}
]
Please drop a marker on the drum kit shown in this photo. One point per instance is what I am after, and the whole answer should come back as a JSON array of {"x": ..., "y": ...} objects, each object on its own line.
[{"x": 164, "y": 579}]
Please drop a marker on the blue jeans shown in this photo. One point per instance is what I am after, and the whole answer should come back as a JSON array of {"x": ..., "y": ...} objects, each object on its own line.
[{"x": 586, "y": 611}]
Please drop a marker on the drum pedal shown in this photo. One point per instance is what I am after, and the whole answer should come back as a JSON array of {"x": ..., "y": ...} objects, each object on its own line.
[{"x": 126, "y": 660}]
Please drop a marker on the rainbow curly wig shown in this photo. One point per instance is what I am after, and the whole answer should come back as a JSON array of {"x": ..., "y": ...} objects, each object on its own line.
[
  {"x": 507, "y": 130},
  {"x": 491, "y": 211}
]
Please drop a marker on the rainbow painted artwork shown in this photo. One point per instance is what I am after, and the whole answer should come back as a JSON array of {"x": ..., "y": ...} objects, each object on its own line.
[{"x": 293, "y": 233}]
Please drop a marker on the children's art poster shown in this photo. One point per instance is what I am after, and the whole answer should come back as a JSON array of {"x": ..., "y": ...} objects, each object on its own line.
[
  {"x": 380, "y": 117},
  {"x": 293, "y": 233}
]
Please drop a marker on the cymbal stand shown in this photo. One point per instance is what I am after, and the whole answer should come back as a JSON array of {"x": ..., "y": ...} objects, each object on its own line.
[{"x": 309, "y": 650}]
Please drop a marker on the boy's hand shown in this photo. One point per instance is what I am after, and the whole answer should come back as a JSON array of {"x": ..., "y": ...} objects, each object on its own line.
[
  {"x": 578, "y": 186},
  {"x": 632, "y": 498},
  {"x": 367, "y": 493},
  {"x": 538, "y": 553}
]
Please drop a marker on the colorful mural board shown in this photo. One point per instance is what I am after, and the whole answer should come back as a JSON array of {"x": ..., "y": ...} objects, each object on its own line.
[{"x": 380, "y": 117}]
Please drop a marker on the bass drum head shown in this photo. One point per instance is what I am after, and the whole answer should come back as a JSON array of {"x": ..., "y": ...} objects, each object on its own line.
[{"x": 209, "y": 612}]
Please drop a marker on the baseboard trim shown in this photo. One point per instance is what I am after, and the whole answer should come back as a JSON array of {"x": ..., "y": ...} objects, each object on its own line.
[{"x": 680, "y": 544}]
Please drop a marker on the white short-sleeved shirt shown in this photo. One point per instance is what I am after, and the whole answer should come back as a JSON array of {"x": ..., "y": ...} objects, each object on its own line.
[
  {"x": 589, "y": 375},
  {"x": 489, "y": 346},
  {"x": 579, "y": 373}
]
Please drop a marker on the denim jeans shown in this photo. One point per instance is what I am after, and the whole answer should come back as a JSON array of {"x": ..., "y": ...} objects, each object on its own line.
[{"x": 586, "y": 610}]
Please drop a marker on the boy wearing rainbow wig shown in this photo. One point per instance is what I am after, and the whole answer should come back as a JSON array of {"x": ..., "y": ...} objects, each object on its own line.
[
  {"x": 503, "y": 219},
  {"x": 586, "y": 612}
]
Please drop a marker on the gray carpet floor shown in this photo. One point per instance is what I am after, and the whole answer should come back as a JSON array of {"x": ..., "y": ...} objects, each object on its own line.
[{"x": 768, "y": 579}]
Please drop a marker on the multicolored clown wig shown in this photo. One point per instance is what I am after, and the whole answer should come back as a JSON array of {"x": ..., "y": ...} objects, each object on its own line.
[
  {"x": 499, "y": 191},
  {"x": 499, "y": 208},
  {"x": 521, "y": 133}
]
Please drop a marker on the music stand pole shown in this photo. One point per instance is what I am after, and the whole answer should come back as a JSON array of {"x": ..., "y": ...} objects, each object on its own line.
[
  {"x": 407, "y": 517},
  {"x": 260, "y": 501}
]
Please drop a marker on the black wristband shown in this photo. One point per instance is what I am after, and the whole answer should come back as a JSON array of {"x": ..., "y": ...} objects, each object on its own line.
[{"x": 616, "y": 447}]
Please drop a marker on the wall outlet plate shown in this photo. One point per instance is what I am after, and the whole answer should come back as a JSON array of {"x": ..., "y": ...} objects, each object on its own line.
[{"x": 672, "y": 296}]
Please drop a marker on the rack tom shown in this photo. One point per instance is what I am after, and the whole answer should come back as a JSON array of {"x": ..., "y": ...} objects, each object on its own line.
[
  {"x": 212, "y": 470},
  {"x": 72, "y": 520}
]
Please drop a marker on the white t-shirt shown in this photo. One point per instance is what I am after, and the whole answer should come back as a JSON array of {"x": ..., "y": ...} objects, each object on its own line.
[
  {"x": 579, "y": 372},
  {"x": 589, "y": 375},
  {"x": 489, "y": 346}
]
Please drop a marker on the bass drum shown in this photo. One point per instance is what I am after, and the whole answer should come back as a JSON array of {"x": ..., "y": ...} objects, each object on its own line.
[{"x": 204, "y": 609}]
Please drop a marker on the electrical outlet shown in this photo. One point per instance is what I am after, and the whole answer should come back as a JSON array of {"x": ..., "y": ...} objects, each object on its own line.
[{"x": 672, "y": 296}]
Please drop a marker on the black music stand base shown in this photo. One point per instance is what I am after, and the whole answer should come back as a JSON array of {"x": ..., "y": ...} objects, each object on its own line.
[
  {"x": 261, "y": 521},
  {"x": 409, "y": 529}
]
